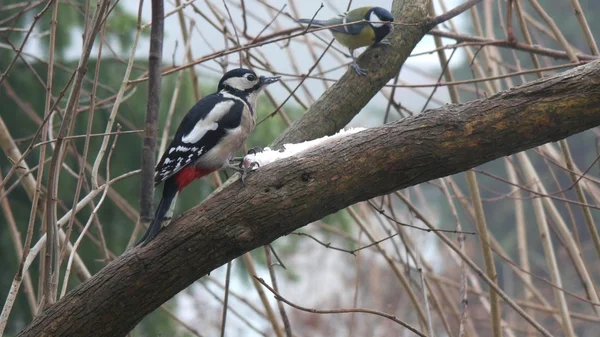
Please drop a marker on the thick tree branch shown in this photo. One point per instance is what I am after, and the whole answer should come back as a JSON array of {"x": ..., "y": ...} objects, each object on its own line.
[{"x": 288, "y": 194}]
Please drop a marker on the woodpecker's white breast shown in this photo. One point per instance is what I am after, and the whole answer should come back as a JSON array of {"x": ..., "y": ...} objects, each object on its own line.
[{"x": 219, "y": 155}]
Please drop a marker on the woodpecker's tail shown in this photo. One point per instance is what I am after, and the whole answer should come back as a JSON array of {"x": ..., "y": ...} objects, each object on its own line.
[
  {"x": 315, "y": 23},
  {"x": 164, "y": 212}
]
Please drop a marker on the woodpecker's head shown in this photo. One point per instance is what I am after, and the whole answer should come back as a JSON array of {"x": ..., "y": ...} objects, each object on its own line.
[{"x": 244, "y": 81}]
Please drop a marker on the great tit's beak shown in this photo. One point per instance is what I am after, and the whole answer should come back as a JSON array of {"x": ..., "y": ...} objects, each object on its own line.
[{"x": 264, "y": 81}]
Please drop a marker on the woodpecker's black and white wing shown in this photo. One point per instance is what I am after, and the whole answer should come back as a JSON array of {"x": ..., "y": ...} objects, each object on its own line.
[{"x": 204, "y": 126}]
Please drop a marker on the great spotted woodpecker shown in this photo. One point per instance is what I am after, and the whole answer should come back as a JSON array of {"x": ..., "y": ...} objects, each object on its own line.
[{"x": 207, "y": 138}]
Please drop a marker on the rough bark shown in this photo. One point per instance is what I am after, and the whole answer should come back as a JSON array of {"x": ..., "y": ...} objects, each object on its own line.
[{"x": 288, "y": 194}]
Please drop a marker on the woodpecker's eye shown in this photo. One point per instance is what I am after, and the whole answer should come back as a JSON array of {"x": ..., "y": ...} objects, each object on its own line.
[{"x": 251, "y": 78}]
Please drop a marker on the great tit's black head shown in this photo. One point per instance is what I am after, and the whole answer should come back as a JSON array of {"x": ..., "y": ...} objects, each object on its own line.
[
  {"x": 244, "y": 80},
  {"x": 380, "y": 19},
  {"x": 379, "y": 16}
]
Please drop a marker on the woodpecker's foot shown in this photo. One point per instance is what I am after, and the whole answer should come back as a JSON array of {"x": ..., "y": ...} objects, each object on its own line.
[
  {"x": 255, "y": 150},
  {"x": 243, "y": 171},
  {"x": 359, "y": 71},
  {"x": 236, "y": 160},
  {"x": 252, "y": 166}
]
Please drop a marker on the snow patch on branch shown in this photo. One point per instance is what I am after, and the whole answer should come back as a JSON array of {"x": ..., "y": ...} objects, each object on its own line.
[{"x": 269, "y": 156}]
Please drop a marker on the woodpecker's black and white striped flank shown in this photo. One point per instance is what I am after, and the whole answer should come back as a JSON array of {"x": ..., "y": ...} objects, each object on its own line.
[{"x": 207, "y": 138}]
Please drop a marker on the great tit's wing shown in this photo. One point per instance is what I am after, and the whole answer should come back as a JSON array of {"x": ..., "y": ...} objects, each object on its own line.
[
  {"x": 203, "y": 127},
  {"x": 354, "y": 15},
  {"x": 354, "y": 29},
  {"x": 357, "y": 14}
]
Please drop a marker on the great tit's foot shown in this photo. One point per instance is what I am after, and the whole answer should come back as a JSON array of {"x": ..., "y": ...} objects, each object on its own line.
[
  {"x": 360, "y": 71},
  {"x": 255, "y": 150},
  {"x": 384, "y": 43}
]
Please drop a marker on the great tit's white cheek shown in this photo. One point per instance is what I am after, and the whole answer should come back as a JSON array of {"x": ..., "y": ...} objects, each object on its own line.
[{"x": 375, "y": 20}]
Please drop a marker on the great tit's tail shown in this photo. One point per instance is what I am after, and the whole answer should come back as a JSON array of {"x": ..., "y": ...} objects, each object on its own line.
[
  {"x": 315, "y": 23},
  {"x": 163, "y": 213}
]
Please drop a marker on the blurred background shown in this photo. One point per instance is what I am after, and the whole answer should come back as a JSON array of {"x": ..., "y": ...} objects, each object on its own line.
[{"x": 411, "y": 274}]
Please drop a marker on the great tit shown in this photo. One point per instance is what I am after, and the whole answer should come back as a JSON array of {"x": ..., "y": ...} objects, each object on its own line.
[{"x": 360, "y": 34}]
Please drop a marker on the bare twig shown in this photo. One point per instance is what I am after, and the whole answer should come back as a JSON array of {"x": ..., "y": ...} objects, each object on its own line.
[
  {"x": 486, "y": 250},
  {"x": 339, "y": 311},
  {"x": 452, "y": 13},
  {"x": 249, "y": 264},
  {"x": 237, "y": 38},
  {"x": 152, "y": 109},
  {"x": 298, "y": 86},
  {"x": 225, "y": 299},
  {"x": 89, "y": 222},
  {"x": 517, "y": 46},
  {"x": 286, "y": 321},
  {"x": 551, "y": 261},
  {"x": 36, "y": 18},
  {"x": 478, "y": 271},
  {"x": 52, "y": 258},
  {"x": 83, "y": 159},
  {"x": 585, "y": 28}
]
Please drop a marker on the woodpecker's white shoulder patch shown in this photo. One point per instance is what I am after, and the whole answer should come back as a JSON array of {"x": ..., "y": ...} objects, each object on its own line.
[{"x": 209, "y": 123}]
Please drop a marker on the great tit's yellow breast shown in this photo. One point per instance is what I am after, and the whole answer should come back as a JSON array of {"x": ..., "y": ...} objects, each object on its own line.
[{"x": 364, "y": 39}]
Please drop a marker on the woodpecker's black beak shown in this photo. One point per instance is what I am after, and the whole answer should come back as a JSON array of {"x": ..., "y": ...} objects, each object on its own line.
[{"x": 264, "y": 81}]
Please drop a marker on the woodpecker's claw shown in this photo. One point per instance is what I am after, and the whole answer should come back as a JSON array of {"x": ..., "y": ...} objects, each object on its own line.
[
  {"x": 243, "y": 170},
  {"x": 255, "y": 150},
  {"x": 244, "y": 174},
  {"x": 236, "y": 160}
]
